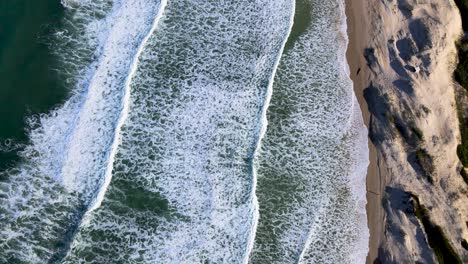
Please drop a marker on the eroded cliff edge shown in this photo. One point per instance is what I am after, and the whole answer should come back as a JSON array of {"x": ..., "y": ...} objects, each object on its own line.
[{"x": 418, "y": 199}]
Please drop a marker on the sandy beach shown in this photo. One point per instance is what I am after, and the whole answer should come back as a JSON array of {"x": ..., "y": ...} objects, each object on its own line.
[
  {"x": 358, "y": 40},
  {"x": 401, "y": 57}
]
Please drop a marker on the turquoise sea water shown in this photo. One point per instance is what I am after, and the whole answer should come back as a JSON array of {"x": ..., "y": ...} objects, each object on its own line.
[{"x": 186, "y": 132}]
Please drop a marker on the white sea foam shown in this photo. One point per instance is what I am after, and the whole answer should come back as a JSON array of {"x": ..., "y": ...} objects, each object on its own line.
[
  {"x": 251, "y": 241},
  {"x": 123, "y": 116},
  {"x": 360, "y": 153},
  {"x": 359, "y": 159},
  {"x": 311, "y": 180},
  {"x": 61, "y": 170},
  {"x": 88, "y": 148},
  {"x": 160, "y": 137},
  {"x": 193, "y": 124}
]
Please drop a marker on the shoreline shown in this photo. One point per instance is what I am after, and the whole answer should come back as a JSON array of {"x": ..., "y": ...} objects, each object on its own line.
[{"x": 359, "y": 74}]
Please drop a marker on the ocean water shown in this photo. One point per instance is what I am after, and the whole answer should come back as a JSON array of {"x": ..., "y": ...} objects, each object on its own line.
[
  {"x": 194, "y": 132},
  {"x": 313, "y": 158},
  {"x": 24, "y": 53}
]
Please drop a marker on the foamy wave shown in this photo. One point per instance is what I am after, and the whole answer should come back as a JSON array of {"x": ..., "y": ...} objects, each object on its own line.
[
  {"x": 47, "y": 195},
  {"x": 189, "y": 138},
  {"x": 124, "y": 113},
  {"x": 164, "y": 131},
  {"x": 251, "y": 241},
  {"x": 312, "y": 165}
]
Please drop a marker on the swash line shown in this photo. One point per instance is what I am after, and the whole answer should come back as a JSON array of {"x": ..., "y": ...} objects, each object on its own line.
[
  {"x": 344, "y": 28},
  {"x": 123, "y": 116},
  {"x": 250, "y": 243}
]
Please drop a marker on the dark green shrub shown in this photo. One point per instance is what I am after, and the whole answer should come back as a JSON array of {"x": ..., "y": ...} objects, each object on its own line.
[
  {"x": 463, "y": 6},
  {"x": 427, "y": 164},
  {"x": 408, "y": 130},
  {"x": 462, "y": 149},
  {"x": 461, "y": 76},
  {"x": 464, "y": 175},
  {"x": 464, "y": 244},
  {"x": 435, "y": 236},
  {"x": 416, "y": 131},
  {"x": 426, "y": 109},
  {"x": 461, "y": 72},
  {"x": 462, "y": 152}
]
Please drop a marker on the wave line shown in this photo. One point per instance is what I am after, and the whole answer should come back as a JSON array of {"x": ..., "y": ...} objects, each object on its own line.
[
  {"x": 124, "y": 114},
  {"x": 264, "y": 123}
]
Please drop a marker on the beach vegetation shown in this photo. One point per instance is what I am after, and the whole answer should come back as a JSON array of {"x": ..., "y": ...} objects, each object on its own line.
[
  {"x": 461, "y": 76},
  {"x": 416, "y": 131},
  {"x": 464, "y": 175},
  {"x": 369, "y": 54},
  {"x": 426, "y": 109},
  {"x": 408, "y": 130},
  {"x": 464, "y": 244},
  {"x": 390, "y": 118},
  {"x": 401, "y": 232},
  {"x": 426, "y": 163},
  {"x": 436, "y": 237},
  {"x": 406, "y": 126},
  {"x": 462, "y": 148},
  {"x": 461, "y": 72},
  {"x": 462, "y": 152},
  {"x": 463, "y": 7},
  {"x": 401, "y": 128}
]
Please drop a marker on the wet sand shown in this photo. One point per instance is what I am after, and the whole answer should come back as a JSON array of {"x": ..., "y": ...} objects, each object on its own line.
[{"x": 359, "y": 36}]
